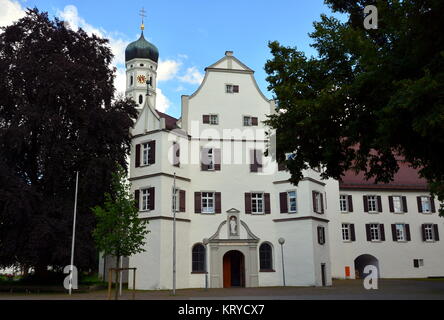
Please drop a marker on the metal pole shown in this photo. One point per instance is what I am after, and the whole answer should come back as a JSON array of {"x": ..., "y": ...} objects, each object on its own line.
[
  {"x": 73, "y": 234},
  {"x": 121, "y": 276},
  {"x": 283, "y": 264},
  {"x": 174, "y": 234}
]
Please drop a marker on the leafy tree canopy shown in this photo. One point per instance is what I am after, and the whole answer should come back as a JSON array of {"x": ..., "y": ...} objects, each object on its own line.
[
  {"x": 370, "y": 97},
  {"x": 58, "y": 115}
]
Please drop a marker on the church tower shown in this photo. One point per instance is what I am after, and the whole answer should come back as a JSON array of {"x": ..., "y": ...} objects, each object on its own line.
[{"x": 141, "y": 58}]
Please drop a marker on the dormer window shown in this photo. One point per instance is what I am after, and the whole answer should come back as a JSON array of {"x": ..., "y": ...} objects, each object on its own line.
[{"x": 230, "y": 88}]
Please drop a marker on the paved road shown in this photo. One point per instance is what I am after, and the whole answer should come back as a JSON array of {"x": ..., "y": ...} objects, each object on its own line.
[{"x": 341, "y": 289}]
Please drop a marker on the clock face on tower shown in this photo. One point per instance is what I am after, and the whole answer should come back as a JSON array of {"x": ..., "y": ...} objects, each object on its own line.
[{"x": 141, "y": 79}]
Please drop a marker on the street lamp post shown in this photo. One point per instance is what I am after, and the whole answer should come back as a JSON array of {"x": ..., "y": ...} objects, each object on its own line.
[
  {"x": 281, "y": 242},
  {"x": 205, "y": 242}
]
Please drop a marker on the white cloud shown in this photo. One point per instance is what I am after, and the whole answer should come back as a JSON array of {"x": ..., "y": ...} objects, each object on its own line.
[
  {"x": 162, "y": 102},
  {"x": 70, "y": 15},
  {"x": 10, "y": 12},
  {"x": 192, "y": 76},
  {"x": 168, "y": 69},
  {"x": 120, "y": 81}
]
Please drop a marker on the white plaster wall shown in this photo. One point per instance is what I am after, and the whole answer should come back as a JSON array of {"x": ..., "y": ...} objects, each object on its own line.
[{"x": 395, "y": 258}]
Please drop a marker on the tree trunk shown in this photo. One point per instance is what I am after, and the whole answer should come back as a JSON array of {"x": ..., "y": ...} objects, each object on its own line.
[{"x": 117, "y": 276}]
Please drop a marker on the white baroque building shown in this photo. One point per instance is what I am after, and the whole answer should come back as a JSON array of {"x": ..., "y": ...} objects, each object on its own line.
[{"x": 239, "y": 222}]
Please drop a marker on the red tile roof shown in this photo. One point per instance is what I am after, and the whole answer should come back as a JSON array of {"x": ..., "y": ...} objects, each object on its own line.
[
  {"x": 170, "y": 121},
  {"x": 406, "y": 178}
]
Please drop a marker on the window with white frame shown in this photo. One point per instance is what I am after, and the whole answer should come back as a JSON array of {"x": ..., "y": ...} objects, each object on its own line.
[
  {"x": 208, "y": 202},
  {"x": 214, "y": 119},
  {"x": 372, "y": 202},
  {"x": 145, "y": 154},
  {"x": 418, "y": 263},
  {"x": 425, "y": 203},
  {"x": 232, "y": 88},
  {"x": 428, "y": 232},
  {"x": 400, "y": 232},
  {"x": 397, "y": 204},
  {"x": 346, "y": 232},
  {"x": 257, "y": 203},
  {"x": 317, "y": 202},
  {"x": 343, "y": 203},
  {"x": 210, "y": 159},
  {"x": 247, "y": 121},
  {"x": 292, "y": 204},
  {"x": 375, "y": 232},
  {"x": 175, "y": 200},
  {"x": 145, "y": 199}
]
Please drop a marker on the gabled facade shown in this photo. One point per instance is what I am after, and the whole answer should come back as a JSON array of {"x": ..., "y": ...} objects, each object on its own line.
[{"x": 233, "y": 205}]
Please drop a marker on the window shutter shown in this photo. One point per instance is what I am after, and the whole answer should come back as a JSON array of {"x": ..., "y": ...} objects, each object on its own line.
[
  {"x": 407, "y": 232},
  {"x": 204, "y": 159},
  {"x": 197, "y": 202},
  {"x": 379, "y": 203},
  {"x": 217, "y": 159},
  {"x": 283, "y": 200},
  {"x": 137, "y": 199},
  {"x": 236, "y": 89},
  {"x": 152, "y": 198},
  {"x": 367, "y": 230},
  {"x": 404, "y": 204},
  {"x": 391, "y": 207},
  {"x": 395, "y": 238},
  {"x": 435, "y": 232},
  {"x": 248, "y": 203},
  {"x": 365, "y": 203},
  {"x": 381, "y": 229},
  {"x": 432, "y": 204},
  {"x": 350, "y": 203},
  {"x": 152, "y": 153},
  {"x": 315, "y": 207},
  {"x": 182, "y": 200},
  {"x": 267, "y": 203},
  {"x": 415, "y": 263},
  {"x": 218, "y": 202},
  {"x": 206, "y": 119},
  {"x": 423, "y": 232},
  {"x": 418, "y": 200},
  {"x": 253, "y": 161},
  {"x": 137, "y": 155},
  {"x": 254, "y": 121},
  {"x": 319, "y": 235},
  {"x": 352, "y": 232},
  {"x": 322, "y": 202}
]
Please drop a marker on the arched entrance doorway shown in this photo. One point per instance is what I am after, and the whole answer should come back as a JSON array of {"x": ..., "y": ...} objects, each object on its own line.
[
  {"x": 234, "y": 269},
  {"x": 362, "y": 261}
]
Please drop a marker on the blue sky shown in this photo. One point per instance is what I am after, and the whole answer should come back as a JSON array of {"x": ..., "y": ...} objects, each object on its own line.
[{"x": 190, "y": 34}]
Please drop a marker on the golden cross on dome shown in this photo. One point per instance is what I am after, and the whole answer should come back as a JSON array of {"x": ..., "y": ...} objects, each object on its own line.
[{"x": 142, "y": 13}]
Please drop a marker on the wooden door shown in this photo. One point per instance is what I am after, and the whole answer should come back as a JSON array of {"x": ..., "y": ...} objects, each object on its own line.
[{"x": 227, "y": 271}]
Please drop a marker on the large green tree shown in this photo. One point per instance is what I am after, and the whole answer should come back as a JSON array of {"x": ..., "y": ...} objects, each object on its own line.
[
  {"x": 58, "y": 115},
  {"x": 369, "y": 98},
  {"x": 119, "y": 231}
]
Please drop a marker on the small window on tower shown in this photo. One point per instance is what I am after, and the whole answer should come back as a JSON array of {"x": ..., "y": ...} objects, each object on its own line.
[
  {"x": 140, "y": 99},
  {"x": 131, "y": 80},
  {"x": 142, "y": 65}
]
